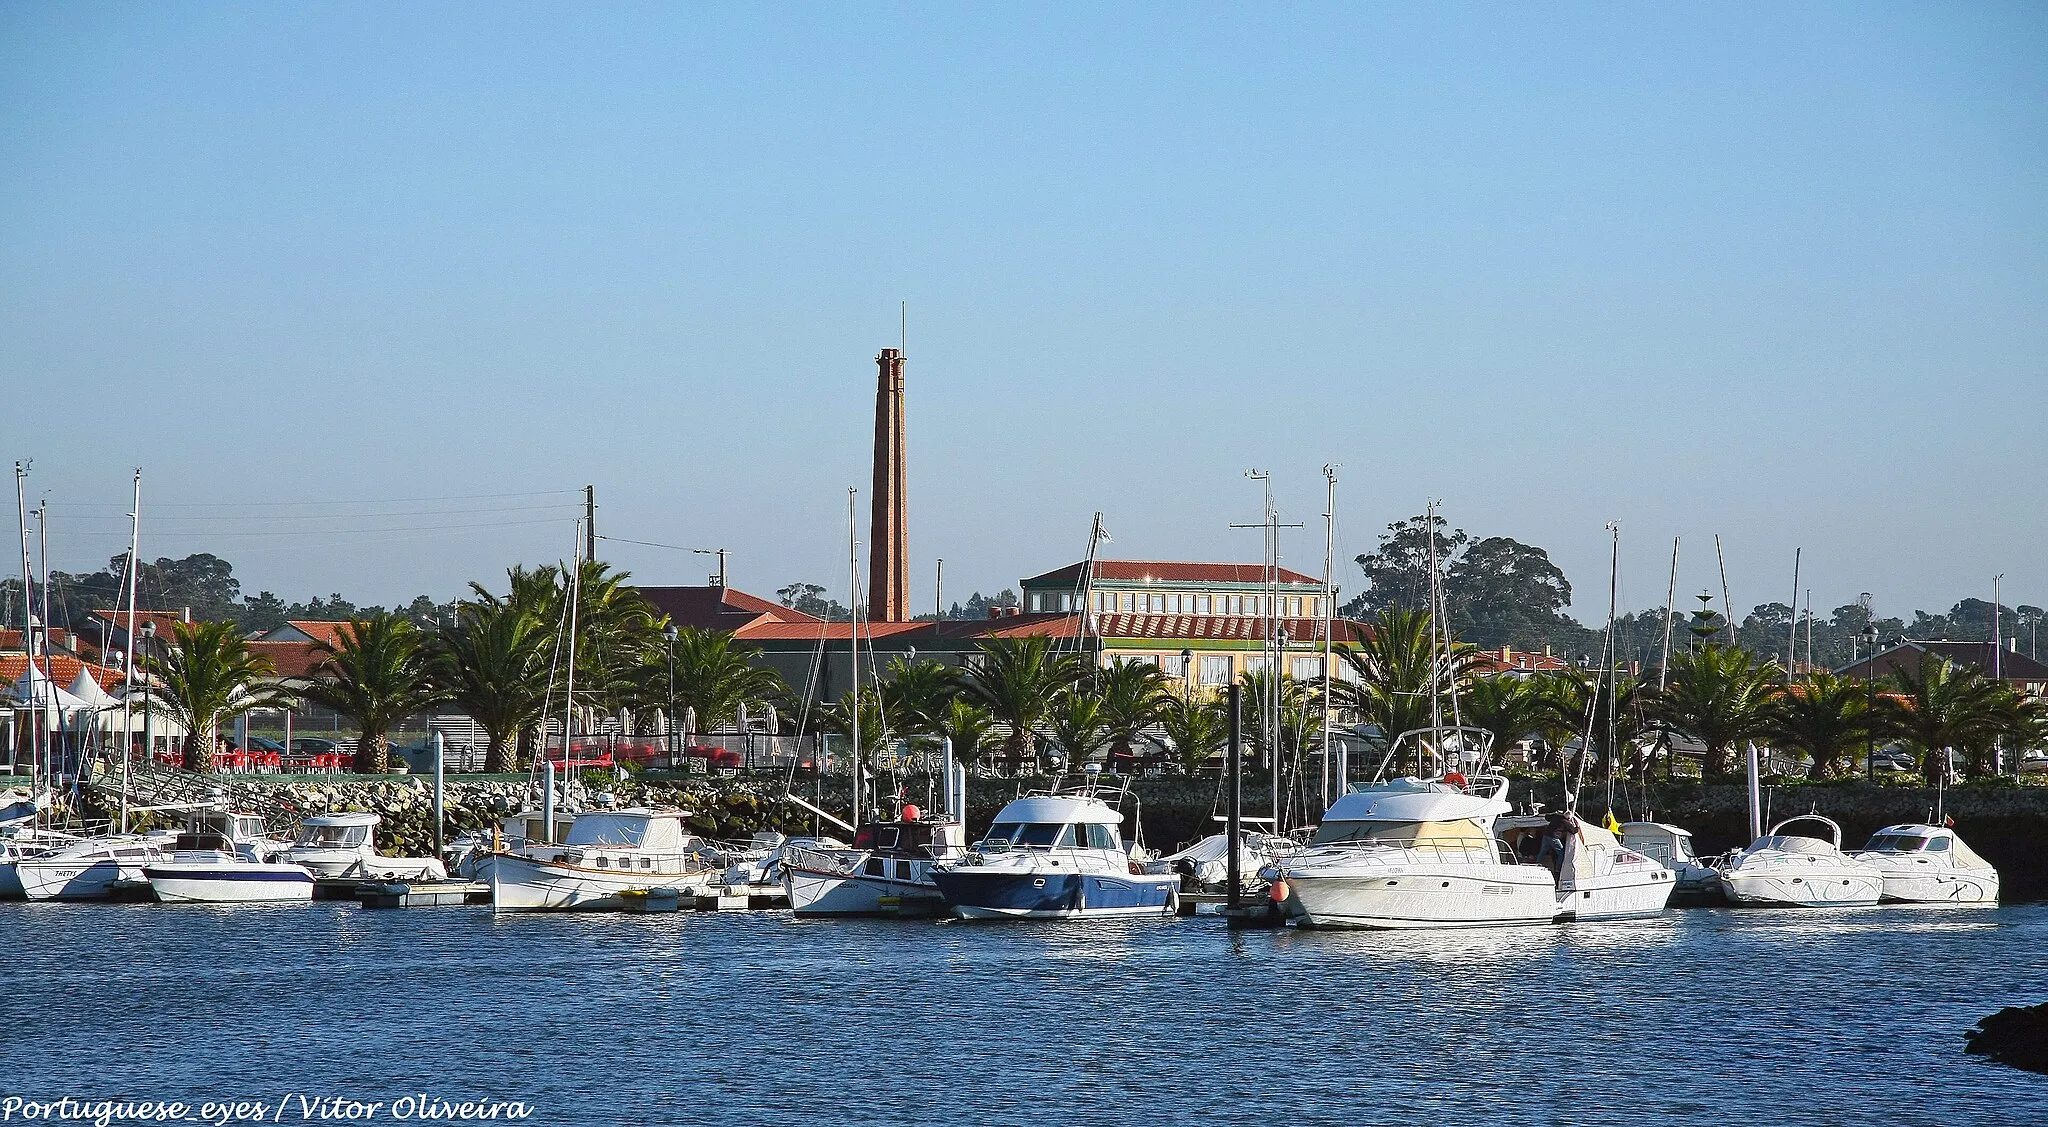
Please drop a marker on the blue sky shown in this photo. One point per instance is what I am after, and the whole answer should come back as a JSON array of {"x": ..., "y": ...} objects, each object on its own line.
[{"x": 1774, "y": 272}]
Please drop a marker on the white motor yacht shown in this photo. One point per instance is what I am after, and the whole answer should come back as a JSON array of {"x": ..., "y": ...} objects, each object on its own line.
[
  {"x": 1925, "y": 864},
  {"x": 209, "y": 867},
  {"x": 1599, "y": 877},
  {"x": 1668, "y": 845},
  {"x": 888, "y": 865},
  {"x": 1055, "y": 855},
  {"x": 606, "y": 852},
  {"x": 1206, "y": 863},
  {"x": 1800, "y": 871},
  {"x": 345, "y": 845},
  {"x": 1415, "y": 853},
  {"x": 86, "y": 869}
]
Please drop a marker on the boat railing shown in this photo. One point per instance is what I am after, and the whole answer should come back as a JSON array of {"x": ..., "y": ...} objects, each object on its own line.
[{"x": 1435, "y": 849}]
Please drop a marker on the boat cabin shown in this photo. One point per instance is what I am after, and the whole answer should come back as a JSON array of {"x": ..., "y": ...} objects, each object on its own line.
[
  {"x": 1668, "y": 845},
  {"x": 645, "y": 831},
  {"x": 336, "y": 831},
  {"x": 1911, "y": 839},
  {"x": 1055, "y": 822},
  {"x": 918, "y": 840},
  {"x": 222, "y": 833}
]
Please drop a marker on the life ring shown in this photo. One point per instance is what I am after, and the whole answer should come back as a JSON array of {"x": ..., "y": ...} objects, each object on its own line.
[{"x": 1455, "y": 778}]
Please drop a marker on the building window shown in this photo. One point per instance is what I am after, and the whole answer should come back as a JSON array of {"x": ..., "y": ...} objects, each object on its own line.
[
  {"x": 1294, "y": 607},
  {"x": 1201, "y": 604},
  {"x": 1032, "y": 600},
  {"x": 1216, "y": 669},
  {"x": 1256, "y": 664},
  {"x": 1180, "y": 604},
  {"x": 1067, "y": 601},
  {"x": 1174, "y": 666},
  {"x": 1308, "y": 669}
]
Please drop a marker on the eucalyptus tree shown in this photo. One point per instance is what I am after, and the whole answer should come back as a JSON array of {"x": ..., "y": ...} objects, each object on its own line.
[
  {"x": 1941, "y": 707},
  {"x": 206, "y": 675},
  {"x": 492, "y": 662},
  {"x": 1721, "y": 696},
  {"x": 1823, "y": 716},
  {"x": 378, "y": 674},
  {"x": 1017, "y": 679}
]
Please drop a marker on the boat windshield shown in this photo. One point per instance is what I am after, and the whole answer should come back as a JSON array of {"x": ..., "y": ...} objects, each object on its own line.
[
  {"x": 332, "y": 836},
  {"x": 1896, "y": 843},
  {"x": 1400, "y": 835},
  {"x": 1030, "y": 835}
]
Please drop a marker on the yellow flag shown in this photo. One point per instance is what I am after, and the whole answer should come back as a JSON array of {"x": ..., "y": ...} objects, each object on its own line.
[{"x": 1613, "y": 826}]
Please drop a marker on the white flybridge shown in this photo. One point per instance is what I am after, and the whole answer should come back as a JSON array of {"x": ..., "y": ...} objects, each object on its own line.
[
  {"x": 1800, "y": 871},
  {"x": 607, "y": 852},
  {"x": 1925, "y": 864}
]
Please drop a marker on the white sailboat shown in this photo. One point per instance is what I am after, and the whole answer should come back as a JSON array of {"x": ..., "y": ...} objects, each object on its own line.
[{"x": 87, "y": 869}]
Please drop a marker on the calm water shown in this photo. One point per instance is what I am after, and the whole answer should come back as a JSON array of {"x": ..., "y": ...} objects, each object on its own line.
[{"x": 1703, "y": 1016}]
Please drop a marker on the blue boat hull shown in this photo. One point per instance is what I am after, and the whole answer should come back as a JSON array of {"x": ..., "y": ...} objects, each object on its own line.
[{"x": 1054, "y": 896}]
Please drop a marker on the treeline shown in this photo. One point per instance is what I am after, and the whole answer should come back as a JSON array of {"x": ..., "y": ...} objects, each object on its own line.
[
  {"x": 205, "y": 583},
  {"x": 1499, "y": 591}
]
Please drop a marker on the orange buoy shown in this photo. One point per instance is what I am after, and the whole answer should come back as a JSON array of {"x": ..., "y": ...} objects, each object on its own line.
[
  {"x": 910, "y": 813},
  {"x": 1278, "y": 893},
  {"x": 1455, "y": 778}
]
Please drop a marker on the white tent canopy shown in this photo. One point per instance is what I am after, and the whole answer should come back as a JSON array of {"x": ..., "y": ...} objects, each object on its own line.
[
  {"x": 35, "y": 689},
  {"x": 88, "y": 689}
]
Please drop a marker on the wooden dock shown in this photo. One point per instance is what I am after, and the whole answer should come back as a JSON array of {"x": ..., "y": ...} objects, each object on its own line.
[{"x": 415, "y": 894}]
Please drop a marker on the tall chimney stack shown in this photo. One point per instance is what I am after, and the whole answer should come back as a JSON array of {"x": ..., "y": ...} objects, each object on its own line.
[{"x": 889, "y": 524}]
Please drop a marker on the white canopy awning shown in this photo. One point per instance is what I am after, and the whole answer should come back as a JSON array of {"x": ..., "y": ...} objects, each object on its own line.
[
  {"x": 35, "y": 689},
  {"x": 86, "y": 688}
]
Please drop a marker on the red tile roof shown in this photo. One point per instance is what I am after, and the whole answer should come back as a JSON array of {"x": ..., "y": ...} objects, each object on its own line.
[
  {"x": 290, "y": 659},
  {"x": 319, "y": 630},
  {"x": 1522, "y": 661},
  {"x": 63, "y": 670},
  {"x": 719, "y": 608},
  {"x": 1168, "y": 571},
  {"x": 164, "y": 619}
]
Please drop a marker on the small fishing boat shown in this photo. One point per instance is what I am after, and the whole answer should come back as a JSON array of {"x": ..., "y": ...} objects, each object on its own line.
[
  {"x": 1800, "y": 871},
  {"x": 1055, "y": 855},
  {"x": 336, "y": 846},
  {"x": 607, "y": 852},
  {"x": 1205, "y": 865},
  {"x": 1924, "y": 864},
  {"x": 889, "y": 865},
  {"x": 1696, "y": 881},
  {"x": 86, "y": 869},
  {"x": 217, "y": 861}
]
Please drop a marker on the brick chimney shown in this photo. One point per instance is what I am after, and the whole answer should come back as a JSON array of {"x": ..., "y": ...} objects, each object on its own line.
[{"x": 889, "y": 521}]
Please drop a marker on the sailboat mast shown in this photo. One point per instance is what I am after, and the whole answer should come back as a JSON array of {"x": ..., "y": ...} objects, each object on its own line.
[
  {"x": 1670, "y": 597},
  {"x": 1792, "y": 640},
  {"x": 128, "y": 674},
  {"x": 27, "y": 621},
  {"x": 569, "y": 695},
  {"x": 1329, "y": 610},
  {"x": 1610, "y": 659},
  {"x": 1436, "y": 705},
  {"x": 853, "y": 636},
  {"x": 1727, "y": 604}
]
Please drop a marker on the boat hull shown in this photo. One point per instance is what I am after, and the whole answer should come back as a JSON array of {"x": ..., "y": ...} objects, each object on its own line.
[
  {"x": 341, "y": 864},
  {"x": 1940, "y": 886},
  {"x": 81, "y": 879},
  {"x": 10, "y": 883},
  {"x": 814, "y": 892},
  {"x": 522, "y": 884},
  {"x": 1619, "y": 896},
  {"x": 1055, "y": 896},
  {"x": 1817, "y": 887},
  {"x": 1422, "y": 897},
  {"x": 198, "y": 883}
]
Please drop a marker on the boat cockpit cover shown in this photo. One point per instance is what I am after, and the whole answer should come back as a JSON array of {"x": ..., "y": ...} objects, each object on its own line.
[
  {"x": 608, "y": 829},
  {"x": 1793, "y": 843}
]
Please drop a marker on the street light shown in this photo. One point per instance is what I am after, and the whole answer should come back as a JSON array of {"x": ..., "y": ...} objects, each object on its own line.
[
  {"x": 669, "y": 725},
  {"x": 148, "y": 736},
  {"x": 1870, "y": 688}
]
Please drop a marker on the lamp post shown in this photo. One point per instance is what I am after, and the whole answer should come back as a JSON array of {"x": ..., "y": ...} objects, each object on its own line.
[
  {"x": 1870, "y": 707},
  {"x": 668, "y": 727},
  {"x": 1187, "y": 672}
]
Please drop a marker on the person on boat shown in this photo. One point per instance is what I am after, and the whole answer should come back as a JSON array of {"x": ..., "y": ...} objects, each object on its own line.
[{"x": 1552, "y": 854}]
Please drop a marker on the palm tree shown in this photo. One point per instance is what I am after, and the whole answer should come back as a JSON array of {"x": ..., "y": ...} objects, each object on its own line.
[
  {"x": 1824, "y": 716},
  {"x": 1131, "y": 694},
  {"x": 1078, "y": 728},
  {"x": 1196, "y": 728},
  {"x": 1721, "y": 696},
  {"x": 377, "y": 676},
  {"x": 206, "y": 676},
  {"x": 1398, "y": 674},
  {"x": 1941, "y": 707},
  {"x": 838, "y": 716},
  {"x": 1507, "y": 706},
  {"x": 966, "y": 724},
  {"x": 492, "y": 662},
  {"x": 715, "y": 677},
  {"x": 1301, "y": 722},
  {"x": 1016, "y": 679},
  {"x": 916, "y": 695}
]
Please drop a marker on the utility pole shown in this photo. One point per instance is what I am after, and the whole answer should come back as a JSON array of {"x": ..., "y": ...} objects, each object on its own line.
[
  {"x": 939, "y": 591},
  {"x": 590, "y": 522}
]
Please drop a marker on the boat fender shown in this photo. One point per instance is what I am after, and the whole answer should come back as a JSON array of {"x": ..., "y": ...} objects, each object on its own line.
[
  {"x": 1136, "y": 869},
  {"x": 1278, "y": 893}
]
